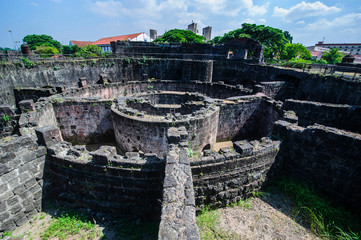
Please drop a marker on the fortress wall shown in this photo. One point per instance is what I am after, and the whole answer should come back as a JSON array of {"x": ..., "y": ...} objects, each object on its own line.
[
  {"x": 325, "y": 157},
  {"x": 22, "y": 163},
  {"x": 333, "y": 115},
  {"x": 223, "y": 178}
]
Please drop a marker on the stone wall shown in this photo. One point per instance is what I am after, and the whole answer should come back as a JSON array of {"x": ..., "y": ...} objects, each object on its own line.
[
  {"x": 178, "y": 219},
  {"x": 136, "y": 130},
  {"x": 325, "y": 157},
  {"x": 129, "y": 185},
  {"x": 66, "y": 74},
  {"x": 21, "y": 180},
  {"x": 249, "y": 116},
  {"x": 234, "y": 173},
  {"x": 334, "y": 115},
  {"x": 84, "y": 121}
]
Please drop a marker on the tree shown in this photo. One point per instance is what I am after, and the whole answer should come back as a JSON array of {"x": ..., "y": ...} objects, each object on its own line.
[
  {"x": 89, "y": 51},
  {"x": 41, "y": 40},
  {"x": 180, "y": 36},
  {"x": 273, "y": 39},
  {"x": 46, "y": 51},
  {"x": 288, "y": 36},
  {"x": 70, "y": 49},
  {"x": 333, "y": 56},
  {"x": 294, "y": 50},
  {"x": 5, "y": 49}
]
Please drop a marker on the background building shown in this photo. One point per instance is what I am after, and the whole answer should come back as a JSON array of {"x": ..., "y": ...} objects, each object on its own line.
[{"x": 104, "y": 43}]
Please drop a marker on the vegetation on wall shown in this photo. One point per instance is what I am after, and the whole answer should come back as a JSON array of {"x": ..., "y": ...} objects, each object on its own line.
[
  {"x": 180, "y": 36},
  {"x": 89, "y": 51},
  {"x": 46, "y": 51}
]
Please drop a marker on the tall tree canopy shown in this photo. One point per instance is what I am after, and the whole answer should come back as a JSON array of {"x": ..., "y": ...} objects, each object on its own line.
[
  {"x": 41, "y": 40},
  {"x": 294, "y": 50},
  {"x": 180, "y": 36},
  {"x": 274, "y": 39}
]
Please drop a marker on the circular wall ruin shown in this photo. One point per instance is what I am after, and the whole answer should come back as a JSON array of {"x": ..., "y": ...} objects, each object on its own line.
[{"x": 141, "y": 123}]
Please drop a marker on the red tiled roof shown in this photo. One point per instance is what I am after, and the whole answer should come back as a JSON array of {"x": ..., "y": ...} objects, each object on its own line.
[
  {"x": 104, "y": 41},
  {"x": 315, "y": 53},
  {"x": 81, "y": 43}
]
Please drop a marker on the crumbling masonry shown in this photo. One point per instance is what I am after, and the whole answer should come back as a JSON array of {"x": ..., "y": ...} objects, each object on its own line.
[{"x": 139, "y": 140}]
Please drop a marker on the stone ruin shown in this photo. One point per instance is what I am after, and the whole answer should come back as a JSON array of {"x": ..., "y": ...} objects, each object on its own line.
[{"x": 127, "y": 145}]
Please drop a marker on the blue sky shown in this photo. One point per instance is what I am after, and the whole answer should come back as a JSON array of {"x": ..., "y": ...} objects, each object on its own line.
[{"x": 308, "y": 21}]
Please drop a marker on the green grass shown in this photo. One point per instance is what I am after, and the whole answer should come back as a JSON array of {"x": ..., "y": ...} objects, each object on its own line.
[
  {"x": 136, "y": 231},
  {"x": 325, "y": 219},
  {"x": 68, "y": 224},
  {"x": 207, "y": 222}
]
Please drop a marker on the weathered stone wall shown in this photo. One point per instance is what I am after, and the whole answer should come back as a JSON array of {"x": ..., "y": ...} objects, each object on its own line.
[
  {"x": 325, "y": 157},
  {"x": 334, "y": 115},
  {"x": 178, "y": 219},
  {"x": 246, "y": 117},
  {"x": 66, "y": 74},
  {"x": 129, "y": 185},
  {"x": 135, "y": 130},
  {"x": 233, "y": 173},
  {"x": 213, "y": 90},
  {"x": 84, "y": 121},
  {"x": 21, "y": 180}
]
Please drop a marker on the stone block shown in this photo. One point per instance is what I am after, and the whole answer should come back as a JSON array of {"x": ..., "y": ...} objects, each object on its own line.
[
  {"x": 20, "y": 219},
  {"x": 243, "y": 147},
  {"x": 48, "y": 135},
  {"x": 27, "y": 106},
  {"x": 16, "y": 208},
  {"x": 173, "y": 136},
  {"x": 7, "y": 225}
]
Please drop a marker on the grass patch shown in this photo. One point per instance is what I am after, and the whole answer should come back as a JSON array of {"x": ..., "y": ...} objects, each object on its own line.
[
  {"x": 324, "y": 218},
  {"x": 207, "y": 222},
  {"x": 69, "y": 224},
  {"x": 133, "y": 231}
]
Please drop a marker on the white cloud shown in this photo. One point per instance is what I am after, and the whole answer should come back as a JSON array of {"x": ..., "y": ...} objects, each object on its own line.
[
  {"x": 109, "y": 8},
  {"x": 223, "y": 7},
  {"x": 301, "y": 22},
  {"x": 304, "y": 9},
  {"x": 34, "y": 4},
  {"x": 258, "y": 10},
  {"x": 346, "y": 20},
  {"x": 57, "y": 1}
]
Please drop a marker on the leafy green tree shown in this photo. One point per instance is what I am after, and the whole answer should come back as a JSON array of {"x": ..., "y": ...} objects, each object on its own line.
[
  {"x": 216, "y": 40},
  {"x": 180, "y": 36},
  {"x": 288, "y": 36},
  {"x": 70, "y": 49},
  {"x": 46, "y": 51},
  {"x": 273, "y": 39},
  {"x": 89, "y": 51},
  {"x": 333, "y": 56},
  {"x": 294, "y": 50},
  {"x": 41, "y": 40}
]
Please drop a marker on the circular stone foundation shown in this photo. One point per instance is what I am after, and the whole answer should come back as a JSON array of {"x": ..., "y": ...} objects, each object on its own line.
[{"x": 141, "y": 123}]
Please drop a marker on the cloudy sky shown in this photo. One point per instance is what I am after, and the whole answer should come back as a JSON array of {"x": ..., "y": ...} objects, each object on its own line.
[{"x": 308, "y": 21}]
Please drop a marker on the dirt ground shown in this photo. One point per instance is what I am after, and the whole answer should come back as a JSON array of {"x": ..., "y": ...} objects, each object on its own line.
[{"x": 267, "y": 218}]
